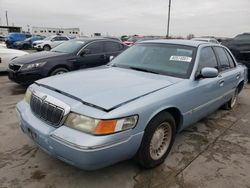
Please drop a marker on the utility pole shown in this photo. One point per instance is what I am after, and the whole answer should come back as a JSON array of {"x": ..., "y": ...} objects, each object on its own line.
[
  {"x": 7, "y": 20},
  {"x": 169, "y": 8}
]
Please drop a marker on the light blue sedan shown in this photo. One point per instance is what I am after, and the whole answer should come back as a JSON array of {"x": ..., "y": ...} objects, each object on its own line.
[{"x": 134, "y": 106}]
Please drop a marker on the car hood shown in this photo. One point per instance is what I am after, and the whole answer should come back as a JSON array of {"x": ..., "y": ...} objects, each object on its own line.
[
  {"x": 38, "y": 56},
  {"x": 12, "y": 51},
  {"x": 107, "y": 87}
]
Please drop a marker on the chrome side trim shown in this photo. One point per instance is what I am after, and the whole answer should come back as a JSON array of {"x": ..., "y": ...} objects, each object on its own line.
[{"x": 208, "y": 103}]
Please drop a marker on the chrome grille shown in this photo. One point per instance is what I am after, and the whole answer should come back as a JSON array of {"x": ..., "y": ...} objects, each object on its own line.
[
  {"x": 14, "y": 67},
  {"x": 46, "y": 111}
]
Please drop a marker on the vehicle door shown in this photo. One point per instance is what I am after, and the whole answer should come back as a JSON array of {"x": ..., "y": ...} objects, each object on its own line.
[
  {"x": 206, "y": 93},
  {"x": 112, "y": 48},
  {"x": 91, "y": 55},
  {"x": 229, "y": 74}
]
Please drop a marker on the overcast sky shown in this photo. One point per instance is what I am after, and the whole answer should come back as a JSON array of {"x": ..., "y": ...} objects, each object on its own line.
[{"x": 145, "y": 17}]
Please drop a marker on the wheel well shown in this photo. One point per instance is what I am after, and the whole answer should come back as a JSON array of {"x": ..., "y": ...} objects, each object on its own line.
[
  {"x": 47, "y": 45},
  {"x": 240, "y": 86},
  {"x": 58, "y": 66}
]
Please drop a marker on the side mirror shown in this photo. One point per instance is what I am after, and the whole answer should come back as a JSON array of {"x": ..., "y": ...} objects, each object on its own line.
[
  {"x": 111, "y": 58},
  {"x": 208, "y": 72},
  {"x": 85, "y": 52}
]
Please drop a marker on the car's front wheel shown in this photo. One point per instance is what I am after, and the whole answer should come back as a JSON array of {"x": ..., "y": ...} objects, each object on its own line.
[
  {"x": 46, "y": 48},
  {"x": 59, "y": 71},
  {"x": 157, "y": 141}
]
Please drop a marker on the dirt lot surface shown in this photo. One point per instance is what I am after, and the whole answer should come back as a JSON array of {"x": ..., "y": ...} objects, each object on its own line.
[{"x": 214, "y": 152}]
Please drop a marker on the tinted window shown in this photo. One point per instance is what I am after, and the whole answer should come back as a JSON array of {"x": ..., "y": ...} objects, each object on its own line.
[
  {"x": 112, "y": 46},
  {"x": 207, "y": 59},
  {"x": 69, "y": 46},
  {"x": 56, "y": 38},
  {"x": 95, "y": 48},
  {"x": 64, "y": 38},
  {"x": 243, "y": 37},
  {"x": 231, "y": 61},
  {"x": 224, "y": 63}
]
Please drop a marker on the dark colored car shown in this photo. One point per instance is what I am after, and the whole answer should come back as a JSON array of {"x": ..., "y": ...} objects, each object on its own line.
[
  {"x": 27, "y": 43},
  {"x": 240, "y": 47},
  {"x": 68, "y": 56},
  {"x": 14, "y": 37}
]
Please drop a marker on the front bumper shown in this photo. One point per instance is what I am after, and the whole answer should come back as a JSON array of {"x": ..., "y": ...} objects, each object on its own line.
[
  {"x": 25, "y": 78},
  {"x": 63, "y": 142}
]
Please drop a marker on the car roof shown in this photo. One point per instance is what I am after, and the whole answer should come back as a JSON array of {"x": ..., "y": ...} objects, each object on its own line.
[
  {"x": 192, "y": 43},
  {"x": 90, "y": 39}
]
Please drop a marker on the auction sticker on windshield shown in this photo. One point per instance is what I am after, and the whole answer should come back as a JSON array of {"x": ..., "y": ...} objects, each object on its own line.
[{"x": 180, "y": 58}]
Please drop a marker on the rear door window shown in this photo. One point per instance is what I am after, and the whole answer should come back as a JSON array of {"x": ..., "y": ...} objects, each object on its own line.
[{"x": 221, "y": 54}]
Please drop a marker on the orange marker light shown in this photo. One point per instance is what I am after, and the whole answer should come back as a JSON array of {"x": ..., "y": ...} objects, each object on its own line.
[{"x": 105, "y": 127}]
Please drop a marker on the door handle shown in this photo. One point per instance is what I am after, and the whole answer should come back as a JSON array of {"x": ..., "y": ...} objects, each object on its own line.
[{"x": 221, "y": 82}]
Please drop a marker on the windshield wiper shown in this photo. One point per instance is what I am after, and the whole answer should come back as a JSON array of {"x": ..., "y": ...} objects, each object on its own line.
[{"x": 144, "y": 70}]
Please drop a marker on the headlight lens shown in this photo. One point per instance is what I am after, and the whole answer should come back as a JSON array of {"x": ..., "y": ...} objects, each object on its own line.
[
  {"x": 28, "y": 95},
  {"x": 98, "y": 127},
  {"x": 33, "y": 65}
]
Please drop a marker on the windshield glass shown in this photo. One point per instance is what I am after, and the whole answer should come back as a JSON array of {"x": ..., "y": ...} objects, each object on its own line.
[
  {"x": 172, "y": 60},
  {"x": 28, "y": 39},
  {"x": 69, "y": 46}
]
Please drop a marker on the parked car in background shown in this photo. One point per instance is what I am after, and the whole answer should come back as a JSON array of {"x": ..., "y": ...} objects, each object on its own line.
[
  {"x": 14, "y": 37},
  {"x": 49, "y": 42},
  {"x": 132, "y": 40},
  {"x": 68, "y": 56},
  {"x": 148, "y": 38},
  {"x": 240, "y": 47},
  {"x": 134, "y": 106},
  {"x": 6, "y": 55},
  {"x": 113, "y": 38},
  {"x": 212, "y": 40},
  {"x": 27, "y": 43}
]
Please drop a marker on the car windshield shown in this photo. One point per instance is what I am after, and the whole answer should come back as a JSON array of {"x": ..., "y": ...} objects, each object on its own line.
[
  {"x": 166, "y": 59},
  {"x": 133, "y": 39},
  {"x": 28, "y": 39},
  {"x": 69, "y": 46}
]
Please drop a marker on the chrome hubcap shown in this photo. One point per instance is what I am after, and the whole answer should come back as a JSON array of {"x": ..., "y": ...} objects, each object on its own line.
[{"x": 160, "y": 141}]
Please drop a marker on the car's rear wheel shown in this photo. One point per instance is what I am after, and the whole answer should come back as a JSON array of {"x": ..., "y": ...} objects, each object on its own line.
[
  {"x": 58, "y": 71},
  {"x": 157, "y": 141},
  {"x": 46, "y": 48},
  {"x": 232, "y": 102}
]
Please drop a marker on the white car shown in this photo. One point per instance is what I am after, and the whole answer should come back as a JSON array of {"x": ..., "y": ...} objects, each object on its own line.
[
  {"x": 49, "y": 42},
  {"x": 212, "y": 40},
  {"x": 6, "y": 55}
]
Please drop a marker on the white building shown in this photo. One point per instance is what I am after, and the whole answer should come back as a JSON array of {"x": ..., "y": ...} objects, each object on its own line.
[{"x": 47, "y": 31}]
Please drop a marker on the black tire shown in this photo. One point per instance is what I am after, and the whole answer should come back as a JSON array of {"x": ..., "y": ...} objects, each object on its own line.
[
  {"x": 59, "y": 71},
  {"x": 232, "y": 102},
  {"x": 46, "y": 47},
  {"x": 144, "y": 156}
]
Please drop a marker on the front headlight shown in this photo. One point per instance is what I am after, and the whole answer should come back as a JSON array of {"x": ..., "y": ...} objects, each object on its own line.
[
  {"x": 98, "y": 127},
  {"x": 33, "y": 65},
  {"x": 28, "y": 95}
]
